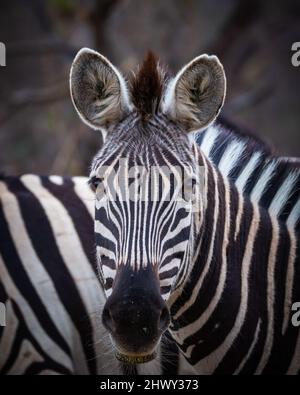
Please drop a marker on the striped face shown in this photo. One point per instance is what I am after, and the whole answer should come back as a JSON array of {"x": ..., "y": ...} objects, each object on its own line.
[
  {"x": 143, "y": 226},
  {"x": 146, "y": 183},
  {"x": 144, "y": 206}
]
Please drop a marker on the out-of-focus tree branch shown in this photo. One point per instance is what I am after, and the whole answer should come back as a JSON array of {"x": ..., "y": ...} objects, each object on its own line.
[
  {"x": 245, "y": 13},
  {"x": 26, "y": 97},
  {"x": 40, "y": 47},
  {"x": 98, "y": 17}
]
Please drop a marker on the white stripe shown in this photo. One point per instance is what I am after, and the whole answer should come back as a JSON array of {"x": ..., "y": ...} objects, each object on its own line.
[
  {"x": 45, "y": 342},
  {"x": 58, "y": 180},
  {"x": 230, "y": 157},
  {"x": 262, "y": 182},
  {"x": 83, "y": 191},
  {"x": 283, "y": 194},
  {"x": 239, "y": 215},
  {"x": 173, "y": 263},
  {"x": 289, "y": 280},
  {"x": 69, "y": 246},
  {"x": 209, "y": 138},
  {"x": 294, "y": 215},
  {"x": 108, "y": 272},
  {"x": 103, "y": 230},
  {"x": 244, "y": 176},
  {"x": 270, "y": 296}
]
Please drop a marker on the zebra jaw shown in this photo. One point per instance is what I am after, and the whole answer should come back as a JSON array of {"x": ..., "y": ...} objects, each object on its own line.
[{"x": 135, "y": 359}]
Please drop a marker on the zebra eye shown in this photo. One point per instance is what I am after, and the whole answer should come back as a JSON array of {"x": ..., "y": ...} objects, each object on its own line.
[{"x": 94, "y": 182}]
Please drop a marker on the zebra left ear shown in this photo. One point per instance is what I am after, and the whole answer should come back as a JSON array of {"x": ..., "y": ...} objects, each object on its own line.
[
  {"x": 196, "y": 95},
  {"x": 98, "y": 90}
]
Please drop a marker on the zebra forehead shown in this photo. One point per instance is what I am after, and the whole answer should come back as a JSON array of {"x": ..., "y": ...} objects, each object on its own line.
[
  {"x": 155, "y": 166},
  {"x": 145, "y": 145}
]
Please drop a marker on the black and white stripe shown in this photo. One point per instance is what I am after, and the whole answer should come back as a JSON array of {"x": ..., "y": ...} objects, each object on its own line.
[
  {"x": 49, "y": 284},
  {"x": 234, "y": 314},
  {"x": 231, "y": 312}
]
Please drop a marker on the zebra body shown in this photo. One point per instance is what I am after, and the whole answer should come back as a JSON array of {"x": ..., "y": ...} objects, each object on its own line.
[{"x": 49, "y": 284}]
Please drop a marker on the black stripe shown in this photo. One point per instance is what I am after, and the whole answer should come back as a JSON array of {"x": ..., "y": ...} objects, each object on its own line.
[
  {"x": 81, "y": 218},
  {"x": 22, "y": 334},
  {"x": 291, "y": 203},
  {"x": 22, "y": 281},
  {"x": 273, "y": 185},
  {"x": 168, "y": 274},
  {"x": 44, "y": 243},
  {"x": 256, "y": 306},
  {"x": 205, "y": 241},
  {"x": 214, "y": 331},
  {"x": 169, "y": 355}
]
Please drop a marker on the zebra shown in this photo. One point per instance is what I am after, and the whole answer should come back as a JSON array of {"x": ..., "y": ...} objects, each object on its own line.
[
  {"x": 21, "y": 226},
  {"x": 49, "y": 284},
  {"x": 219, "y": 266}
]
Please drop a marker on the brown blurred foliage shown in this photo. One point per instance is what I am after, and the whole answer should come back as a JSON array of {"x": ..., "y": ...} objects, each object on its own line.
[{"x": 39, "y": 129}]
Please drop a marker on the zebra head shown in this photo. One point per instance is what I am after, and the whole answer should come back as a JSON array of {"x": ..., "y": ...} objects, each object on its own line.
[{"x": 145, "y": 179}]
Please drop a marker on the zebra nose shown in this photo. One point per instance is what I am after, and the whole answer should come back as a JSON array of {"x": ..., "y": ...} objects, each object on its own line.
[{"x": 135, "y": 322}]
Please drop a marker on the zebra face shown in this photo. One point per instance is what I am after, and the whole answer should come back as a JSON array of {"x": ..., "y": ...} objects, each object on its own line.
[
  {"x": 143, "y": 213},
  {"x": 143, "y": 228},
  {"x": 144, "y": 178}
]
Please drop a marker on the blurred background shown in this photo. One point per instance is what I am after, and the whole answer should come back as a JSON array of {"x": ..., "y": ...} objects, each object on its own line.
[{"x": 39, "y": 129}]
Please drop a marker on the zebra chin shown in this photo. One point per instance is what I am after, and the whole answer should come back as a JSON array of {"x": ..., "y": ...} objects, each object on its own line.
[
  {"x": 134, "y": 359},
  {"x": 135, "y": 314}
]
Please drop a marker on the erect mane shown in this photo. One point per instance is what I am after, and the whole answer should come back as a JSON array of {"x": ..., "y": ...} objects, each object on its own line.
[{"x": 147, "y": 86}]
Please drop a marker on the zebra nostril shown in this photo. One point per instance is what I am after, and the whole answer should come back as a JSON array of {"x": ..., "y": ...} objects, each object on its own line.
[
  {"x": 164, "y": 319},
  {"x": 108, "y": 320}
]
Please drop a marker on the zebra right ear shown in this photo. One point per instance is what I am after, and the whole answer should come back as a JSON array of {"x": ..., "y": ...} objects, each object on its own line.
[
  {"x": 98, "y": 90},
  {"x": 196, "y": 95}
]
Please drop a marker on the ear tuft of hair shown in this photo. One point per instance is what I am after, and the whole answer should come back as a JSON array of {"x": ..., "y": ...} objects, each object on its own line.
[{"x": 147, "y": 86}]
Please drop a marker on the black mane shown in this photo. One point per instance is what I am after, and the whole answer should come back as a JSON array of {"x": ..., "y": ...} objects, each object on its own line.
[{"x": 147, "y": 86}]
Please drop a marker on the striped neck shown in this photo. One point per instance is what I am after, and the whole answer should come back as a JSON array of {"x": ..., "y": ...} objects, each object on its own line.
[
  {"x": 212, "y": 228},
  {"x": 229, "y": 294}
]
